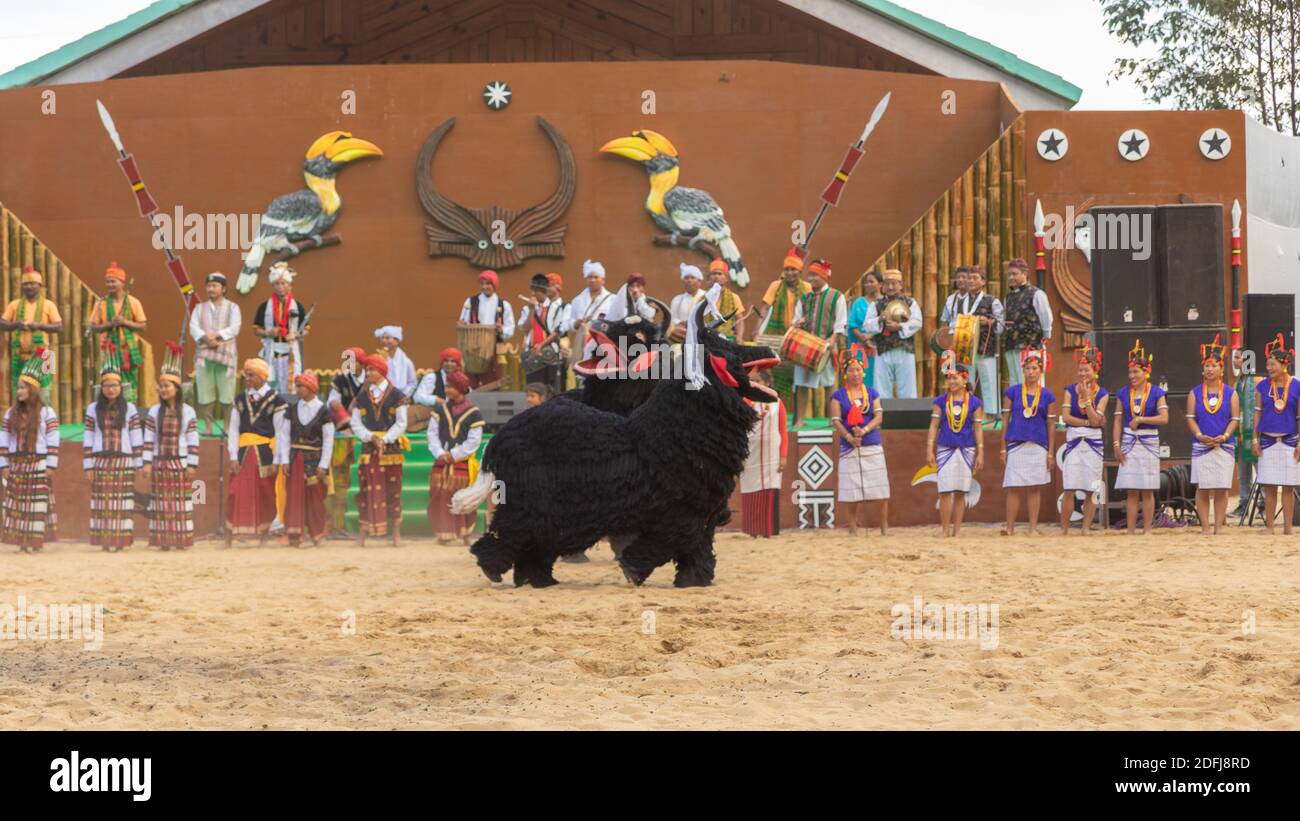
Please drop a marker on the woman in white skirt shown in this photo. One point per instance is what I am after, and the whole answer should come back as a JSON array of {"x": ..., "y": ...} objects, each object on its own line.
[
  {"x": 1084, "y": 416},
  {"x": 1028, "y": 440},
  {"x": 955, "y": 444},
  {"x": 1213, "y": 415},
  {"x": 855, "y": 413},
  {"x": 1141, "y": 410},
  {"x": 1275, "y": 442}
]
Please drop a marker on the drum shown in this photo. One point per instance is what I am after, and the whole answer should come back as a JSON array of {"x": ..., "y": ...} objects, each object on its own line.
[
  {"x": 941, "y": 340},
  {"x": 783, "y": 374},
  {"x": 478, "y": 346},
  {"x": 534, "y": 359},
  {"x": 965, "y": 338},
  {"x": 805, "y": 349}
]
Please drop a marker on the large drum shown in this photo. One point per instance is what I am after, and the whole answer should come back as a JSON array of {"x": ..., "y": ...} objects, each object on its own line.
[
  {"x": 478, "y": 346},
  {"x": 962, "y": 339},
  {"x": 805, "y": 349}
]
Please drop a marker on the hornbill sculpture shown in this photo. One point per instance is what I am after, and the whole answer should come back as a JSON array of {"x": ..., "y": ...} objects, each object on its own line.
[
  {"x": 680, "y": 211},
  {"x": 306, "y": 214}
]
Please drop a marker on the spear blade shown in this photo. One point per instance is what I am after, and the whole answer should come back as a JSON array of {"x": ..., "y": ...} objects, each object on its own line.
[
  {"x": 1236, "y": 218},
  {"x": 1039, "y": 220},
  {"x": 875, "y": 117},
  {"x": 107, "y": 120}
]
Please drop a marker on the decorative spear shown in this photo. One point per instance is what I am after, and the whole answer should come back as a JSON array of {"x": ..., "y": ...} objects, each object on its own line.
[
  {"x": 1040, "y": 246},
  {"x": 831, "y": 196},
  {"x": 148, "y": 207},
  {"x": 1234, "y": 339}
]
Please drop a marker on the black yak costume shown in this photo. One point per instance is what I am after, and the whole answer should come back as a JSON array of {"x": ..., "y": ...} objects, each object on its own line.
[{"x": 574, "y": 474}]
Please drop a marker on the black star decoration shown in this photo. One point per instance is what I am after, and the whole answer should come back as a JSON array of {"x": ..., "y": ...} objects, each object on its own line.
[
  {"x": 1215, "y": 143},
  {"x": 1052, "y": 145},
  {"x": 1133, "y": 145}
]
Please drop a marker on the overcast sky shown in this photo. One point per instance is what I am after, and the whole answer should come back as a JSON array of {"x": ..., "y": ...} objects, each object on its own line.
[{"x": 1066, "y": 37}]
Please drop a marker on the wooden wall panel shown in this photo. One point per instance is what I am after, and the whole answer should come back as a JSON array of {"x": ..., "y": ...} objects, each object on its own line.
[{"x": 326, "y": 32}]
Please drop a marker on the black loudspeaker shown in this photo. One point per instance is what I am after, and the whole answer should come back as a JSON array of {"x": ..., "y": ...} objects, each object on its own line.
[
  {"x": 1263, "y": 316},
  {"x": 1177, "y": 352},
  {"x": 906, "y": 414},
  {"x": 1125, "y": 291},
  {"x": 1189, "y": 247}
]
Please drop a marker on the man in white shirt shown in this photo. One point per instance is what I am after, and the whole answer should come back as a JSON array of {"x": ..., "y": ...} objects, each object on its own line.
[
  {"x": 401, "y": 370},
  {"x": 591, "y": 304},
  {"x": 984, "y": 367},
  {"x": 682, "y": 304},
  {"x": 488, "y": 307},
  {"x": 214, "y": 326},
  {"x": 895, "y": 374}
]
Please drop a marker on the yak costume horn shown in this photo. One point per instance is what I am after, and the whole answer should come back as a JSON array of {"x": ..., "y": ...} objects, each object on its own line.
[
  {"x": 665, "y": 314},
  {"x": 720, "y": 321},
  {"x": 693, "y": 350}
]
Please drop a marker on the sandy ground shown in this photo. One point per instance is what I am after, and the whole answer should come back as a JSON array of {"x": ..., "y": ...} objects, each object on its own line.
[{"x": 1107, "y": 632}]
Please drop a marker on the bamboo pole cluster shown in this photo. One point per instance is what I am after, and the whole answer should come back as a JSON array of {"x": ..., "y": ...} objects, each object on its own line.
[{"x": 980, "y": 220}]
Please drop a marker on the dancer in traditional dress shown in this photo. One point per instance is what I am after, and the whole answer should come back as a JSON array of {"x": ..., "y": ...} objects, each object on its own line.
[
  {"x": 453, "y": 444},
  {"x": 171, "y": 458},
  {"x": 117, "y": 319},
  {"x": 113, "y": 442},
  {"x": 280, "y": 322},
  {"x": 760, "y": 482},
  {"x": 29, "y": 452},
  {"x": 987, "y": 308},
  {"x": 1029, "y": 440},
  {"x": 823, "y": 313},
  {"x": 343, "y": 390},
  {"x": 776, "y": 309},
  {"x": 401, "y": 370},
  {"x": 214, "y": 325},
  {"x": 379, "y": 421},
  {"x": 1213, "y": 414},
  {"x": 855, "y": 413},
  {"x": 1276, "y": 443},
  {"x": 1084, "y": 417},
  {"x": 311, "y": 446},
  {"x": 634, "y": 288},
  {"x": 258, "y": 443},
  {"x": 955, "y": 444},
  {"x": 36, "y": 321},
  {"x": 1141, "y": 409}
]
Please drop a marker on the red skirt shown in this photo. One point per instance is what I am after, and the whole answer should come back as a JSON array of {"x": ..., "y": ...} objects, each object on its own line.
[
  {"x": 760, "y": 515},
  {"x": 250, "y": 502},
  {"x": 379, "y": 500},
  {"x": 443, "y": 484},
  {"x": 304, "y": 502}
]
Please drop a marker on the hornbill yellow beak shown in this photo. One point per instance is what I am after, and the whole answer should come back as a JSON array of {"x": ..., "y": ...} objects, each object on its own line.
[
  {"x": 342, "y": 147},
  {"x": 641, "y": 146}
]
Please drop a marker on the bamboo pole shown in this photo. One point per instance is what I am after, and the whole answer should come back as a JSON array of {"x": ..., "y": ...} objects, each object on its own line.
[
  {"x": 957, "y": 208},
  {"x": 968, "y": 218},
  {"x": 1007, "y": 211},
  {"x": 77, "y": 374},
  {"x": 991, "y": 225},
  {"x": 944, "y": 282},
  {"x": 979, "y": 234},
  {"x": 1020, "y": 204},
  {"x": 931, "y": 308},
  {"x": 66, "y": 345}
]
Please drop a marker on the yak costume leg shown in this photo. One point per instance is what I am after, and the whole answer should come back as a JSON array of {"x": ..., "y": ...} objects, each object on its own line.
[
  {"x": 532, "y": 567},
  {"x": 653, "y": 550}
]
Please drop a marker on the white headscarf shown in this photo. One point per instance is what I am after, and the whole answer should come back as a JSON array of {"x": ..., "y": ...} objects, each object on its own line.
[
  {"x": 589, "y": 268},
  {"x": 389, "y": 330},
  {"x": 691, "y": 271}
]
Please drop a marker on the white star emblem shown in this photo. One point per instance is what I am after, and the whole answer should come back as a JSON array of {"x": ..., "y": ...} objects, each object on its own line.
[{"x": 496, "y": 95}]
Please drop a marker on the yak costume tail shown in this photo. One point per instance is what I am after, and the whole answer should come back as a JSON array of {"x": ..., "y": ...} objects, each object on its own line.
[{"x": 467, "y": 500}]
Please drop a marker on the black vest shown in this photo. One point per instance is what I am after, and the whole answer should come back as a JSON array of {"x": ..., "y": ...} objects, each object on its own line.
[
  {"x": 308, "y": 438},
  {"x": 258, "y": 416},
  {"x": 888, "y": 340},
  {"x": 1023, "y": 329}
]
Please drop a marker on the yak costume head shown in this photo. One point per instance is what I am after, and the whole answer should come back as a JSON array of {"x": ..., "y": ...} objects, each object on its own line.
[{"x": 714, "y": 362}]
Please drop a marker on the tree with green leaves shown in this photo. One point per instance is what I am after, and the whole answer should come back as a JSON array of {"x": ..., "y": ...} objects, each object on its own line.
[{"x": 1212, "y": 54}]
